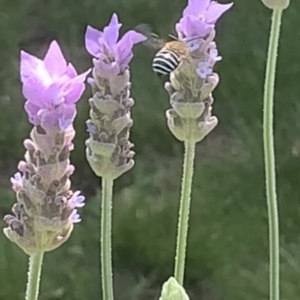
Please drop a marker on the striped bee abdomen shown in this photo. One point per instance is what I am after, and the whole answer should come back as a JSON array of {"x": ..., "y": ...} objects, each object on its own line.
[{"x": 165, "y": 62}]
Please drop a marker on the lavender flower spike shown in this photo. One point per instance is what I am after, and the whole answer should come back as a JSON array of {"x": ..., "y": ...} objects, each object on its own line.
[
  {"x": 108, "y": 148},
  {"x": 191, "y": 84},
  {"x": 46, "y": 207}
]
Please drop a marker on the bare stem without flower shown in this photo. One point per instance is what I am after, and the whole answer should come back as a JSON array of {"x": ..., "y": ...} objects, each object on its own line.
[
  {"x": 184, "y": 210},
  {"x": 269, "y": 155},
  {"x": 106, "y": 257}
]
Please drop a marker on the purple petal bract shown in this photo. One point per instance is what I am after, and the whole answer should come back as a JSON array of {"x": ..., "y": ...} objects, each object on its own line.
[
  {"x": 49, "y": 83},
  {"x": 112, "y": 55},
  {"x": 199, "y": 17}
]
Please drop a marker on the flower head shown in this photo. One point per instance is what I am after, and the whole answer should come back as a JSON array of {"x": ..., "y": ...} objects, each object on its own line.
[
  {"x": 51, "y": 87},
  {"x": 173, "y": 290},
  {"x": 112, "y": 54},
  {"x": 199, "y": 18},
  {"x": 108, "y": 149},
  {"x": 192, "y": 83},
  {"x": 46, "y": 208}
]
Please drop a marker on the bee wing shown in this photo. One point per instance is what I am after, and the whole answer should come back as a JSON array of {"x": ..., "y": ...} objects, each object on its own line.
[
  {"x": 153, "y": 41},
  {"x": 145, "y": 29}
]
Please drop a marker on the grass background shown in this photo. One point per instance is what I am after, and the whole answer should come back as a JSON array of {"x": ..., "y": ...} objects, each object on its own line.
[{"x": 228, "y": 249}]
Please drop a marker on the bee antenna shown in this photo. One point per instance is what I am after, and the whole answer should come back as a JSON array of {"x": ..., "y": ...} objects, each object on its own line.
[{"x": 173, "y": 37}]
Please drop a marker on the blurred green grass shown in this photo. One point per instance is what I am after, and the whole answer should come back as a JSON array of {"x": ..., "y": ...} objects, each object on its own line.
[{"x": 228, "y": 250}]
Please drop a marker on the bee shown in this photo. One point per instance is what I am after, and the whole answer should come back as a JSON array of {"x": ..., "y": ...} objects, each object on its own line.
[{"x": 171, "y": 53}]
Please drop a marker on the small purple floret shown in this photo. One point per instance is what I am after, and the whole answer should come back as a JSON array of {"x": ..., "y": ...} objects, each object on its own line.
[
  {"x": 76, "y": 200},
  {"x": 214, "y": 55},
  {"x": 16, "y": 179},
  {"x": 75, "y": 217},
  {"x": 204, "y": 69}
]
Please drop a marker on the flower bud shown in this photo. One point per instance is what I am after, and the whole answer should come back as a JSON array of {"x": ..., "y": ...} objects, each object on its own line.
[
  {"x": 276, "y": 4},
  {"x": 172, "y": 290}
]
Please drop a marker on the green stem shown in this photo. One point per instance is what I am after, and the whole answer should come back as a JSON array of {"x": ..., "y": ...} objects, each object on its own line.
[
  {"x": 269, "y": 155},
  {"x": 34, "y": 275},
  {"x": 106, "y": 220},
  {"x": 184, "y": 210}
]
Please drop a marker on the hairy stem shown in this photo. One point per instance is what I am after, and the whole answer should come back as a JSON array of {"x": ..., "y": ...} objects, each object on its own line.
[
  {"x": 184, "y": 210},
  {"x": 34, "y": 275},
  {"x": 269, "y": 155},
  {"x": 106, "y": 224}
]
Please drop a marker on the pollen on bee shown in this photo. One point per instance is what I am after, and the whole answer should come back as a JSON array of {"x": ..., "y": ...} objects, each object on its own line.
[{"x": 177, "y": 47}]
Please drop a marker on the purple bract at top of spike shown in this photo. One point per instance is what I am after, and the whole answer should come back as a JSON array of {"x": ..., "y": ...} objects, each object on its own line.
[
  {"x": 199, "y": 18},
  {"x": 112, "y": 55},
  {"x": 51, "y": 87}
]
